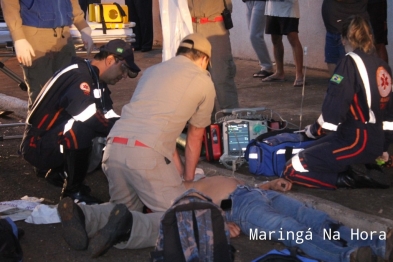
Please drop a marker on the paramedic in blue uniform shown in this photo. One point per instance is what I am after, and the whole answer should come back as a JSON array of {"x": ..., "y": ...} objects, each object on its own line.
[
  {"x": 73, "y": 108},
  {"x": 356, "y": 118},
  {"x": 43, "y": 44}
]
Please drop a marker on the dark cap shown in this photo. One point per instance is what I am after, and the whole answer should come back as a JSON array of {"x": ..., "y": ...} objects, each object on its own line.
[
  {"x": 197, "y": 41},
  {"x": 122, "y": 49}
]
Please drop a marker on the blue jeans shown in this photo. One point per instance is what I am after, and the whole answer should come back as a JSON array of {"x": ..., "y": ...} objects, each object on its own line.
[
  {"x": 334, "y": 49},
  {"x": 256, "y": 24},
  {"x": 255, "y": 210}
]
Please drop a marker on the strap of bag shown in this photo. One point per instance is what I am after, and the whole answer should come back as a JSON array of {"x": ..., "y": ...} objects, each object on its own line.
[
  {"x": 366, "y": 83},
  {"x": 121, "y": 12}
]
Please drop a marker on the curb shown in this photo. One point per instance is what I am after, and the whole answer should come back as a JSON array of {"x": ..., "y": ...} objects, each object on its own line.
[
  {"x": 349, "y": 217},
  {"x": 18, "y": 106}
]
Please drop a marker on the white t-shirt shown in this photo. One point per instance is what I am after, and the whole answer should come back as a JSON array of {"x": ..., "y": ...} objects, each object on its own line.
[{"x": 282, "y": 8}]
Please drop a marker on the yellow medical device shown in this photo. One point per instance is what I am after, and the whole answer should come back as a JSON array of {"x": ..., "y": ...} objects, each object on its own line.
[{"x": 110, "y": 13}]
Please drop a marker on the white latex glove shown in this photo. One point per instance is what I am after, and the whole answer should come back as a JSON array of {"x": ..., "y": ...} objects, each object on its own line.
[
  {"x": 24, "y": 51},
  {"x": 86, "y": 38},
  {"x": 308, "y": 132}
]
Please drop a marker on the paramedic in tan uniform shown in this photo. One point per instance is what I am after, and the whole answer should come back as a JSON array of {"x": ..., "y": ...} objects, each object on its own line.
[
  {"x": 141, "y": 157},
  {"x": 40, "y": 30},
  {"x": 208, "y": 21}
]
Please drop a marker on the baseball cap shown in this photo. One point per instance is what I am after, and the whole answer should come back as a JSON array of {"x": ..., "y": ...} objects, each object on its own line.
[
  {"x": 122, "y": 49},
  {"x": 198, "y": 42}
]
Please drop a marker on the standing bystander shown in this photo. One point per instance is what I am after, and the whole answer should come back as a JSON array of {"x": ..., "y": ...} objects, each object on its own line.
[
  {"x": 141, "y": 12},
  {"x": 256, "y": 24},
  {"x": 43, "y": 44},
  {"x": 282, "y": 18}
]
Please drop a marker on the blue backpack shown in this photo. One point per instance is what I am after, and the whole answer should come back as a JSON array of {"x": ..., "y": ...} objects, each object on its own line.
[{"x": 268, "y": 153}]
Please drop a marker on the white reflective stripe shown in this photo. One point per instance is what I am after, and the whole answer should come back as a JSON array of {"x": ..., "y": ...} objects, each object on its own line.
[
  {"x": 253, "y": 156},
  {"x": 326, "y": 125},
  {"x": 320, "y": 120},
  {"x": 387, "y": 125},
  {"x": 87, "y": 113},
  {"x": 68, "y": 126},
  {"x": 329, "y": 126},
  {"x": 111, "y": 114},
  {"x": 48, "y": 86},
  {"x": 366, "y": 83},
  {"x": 297, "y": 165},
  {"x": 294, "y": 151},
  {"x": 97, "y": 93}
]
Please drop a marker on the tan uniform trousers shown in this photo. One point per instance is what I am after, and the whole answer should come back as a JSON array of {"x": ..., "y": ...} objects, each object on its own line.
[
  {"x": 53, "y": 51},
  {"x": 138, "y": 174},
  {"x": 145, "y": 227}
]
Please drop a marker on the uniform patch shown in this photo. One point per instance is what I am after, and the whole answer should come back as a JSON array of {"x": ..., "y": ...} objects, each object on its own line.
[
  {"x": 384, "y": 82},
  {"x": 85, "y": 88},
  {"x": 336, "y": 78}
]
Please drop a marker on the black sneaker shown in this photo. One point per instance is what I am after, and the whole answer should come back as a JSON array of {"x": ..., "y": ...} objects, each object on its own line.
[
  {"x": 118, "y": 229},
  {"x": 73, "y": 223},
  {"x": 369, "y": 176},
  {"x": 262, "y": 74}
]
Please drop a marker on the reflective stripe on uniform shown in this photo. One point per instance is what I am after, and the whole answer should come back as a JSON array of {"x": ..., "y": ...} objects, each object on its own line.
[
  {"x": 297, "y": 165},
  {"x": 48, "y": 86},
  {"x": 387, "y": 125},
  {"x": 87, "y": 113},
  {"x": 111, "y": 114},
  {"x": 326, "y": 125}
]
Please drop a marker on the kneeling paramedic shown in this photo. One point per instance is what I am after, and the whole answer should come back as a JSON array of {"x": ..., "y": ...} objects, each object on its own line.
[{"x": 74, "y": 107}]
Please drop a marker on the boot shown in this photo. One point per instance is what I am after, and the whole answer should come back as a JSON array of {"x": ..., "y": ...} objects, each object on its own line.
[
  {"x": 75, "y": 170},
  {"x": 369, "y": 176},
  {"x": 73, "y": 223},
  {"x": 345, "y": 180},
  {"x": 118, "y": 229}
]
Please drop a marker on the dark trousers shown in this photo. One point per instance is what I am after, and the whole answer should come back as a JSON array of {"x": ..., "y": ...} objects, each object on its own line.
[{"x": 141, "y": 12}]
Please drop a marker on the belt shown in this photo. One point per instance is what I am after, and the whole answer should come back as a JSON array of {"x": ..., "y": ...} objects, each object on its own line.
[
  {"x": 124, "y": 141},
  {"x": 204, "y": 20}
]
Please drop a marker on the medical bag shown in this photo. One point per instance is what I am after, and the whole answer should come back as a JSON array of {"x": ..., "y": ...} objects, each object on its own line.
[
  {"x": 267, "y": 154},
  {"x": 213, "y": 142}
]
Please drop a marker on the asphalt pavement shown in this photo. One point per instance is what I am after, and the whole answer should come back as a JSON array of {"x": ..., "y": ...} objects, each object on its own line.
[{"x": 363, "y": 209}]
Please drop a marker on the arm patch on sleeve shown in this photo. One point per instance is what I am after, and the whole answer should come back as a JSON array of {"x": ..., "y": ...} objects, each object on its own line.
[{"x": 336, "y": 78}]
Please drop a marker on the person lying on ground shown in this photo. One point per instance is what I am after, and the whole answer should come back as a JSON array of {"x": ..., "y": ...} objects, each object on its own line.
[{"x": 260, "y": 212}]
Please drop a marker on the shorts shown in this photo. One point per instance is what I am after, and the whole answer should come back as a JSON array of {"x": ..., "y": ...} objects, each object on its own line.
[
  {"x": 334, "y": 49},
  {"x": 378, "y": 19},
  {"x": 281, "y": 25}
]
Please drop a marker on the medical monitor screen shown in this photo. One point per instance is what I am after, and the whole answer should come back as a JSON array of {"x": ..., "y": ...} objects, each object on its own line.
[{"x": 238, "y": 138}]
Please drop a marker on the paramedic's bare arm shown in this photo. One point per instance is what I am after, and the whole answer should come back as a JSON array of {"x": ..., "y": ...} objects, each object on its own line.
[
  {"x": 178, "y": 163},
  {"x": 193, "y": 150},
  {"x": 11, "y": 13},
  {"x": 77, "y": 12},
  {"x": 279, "y": 184}
]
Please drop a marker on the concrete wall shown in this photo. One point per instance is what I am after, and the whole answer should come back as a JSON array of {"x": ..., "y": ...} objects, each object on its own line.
[{"x": 311, "y": 33}]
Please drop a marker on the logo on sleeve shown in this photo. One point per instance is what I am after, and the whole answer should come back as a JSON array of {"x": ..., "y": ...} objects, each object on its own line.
[
  {"x": 336, "y": 78},
  {"x": 85, "y": 88},
  {"x": 384, "y": 82}
]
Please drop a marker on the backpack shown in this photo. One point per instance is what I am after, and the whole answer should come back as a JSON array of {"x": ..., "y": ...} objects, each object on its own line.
[
  {"x": 268, "y": 153},
  {"x": 284, "y": 255},
  {"x": 193, "y": 229},
  {"x": 10, "y": 249}
]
